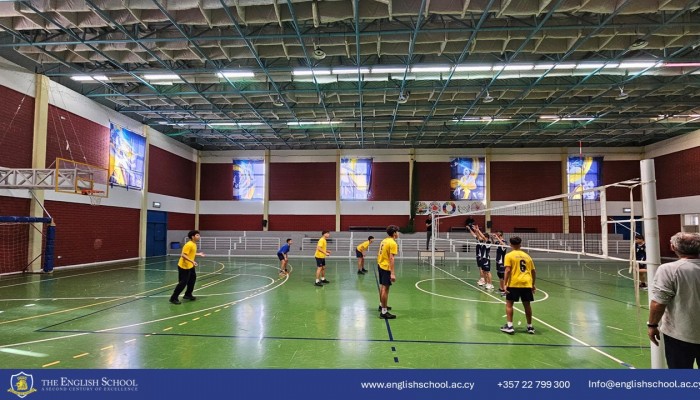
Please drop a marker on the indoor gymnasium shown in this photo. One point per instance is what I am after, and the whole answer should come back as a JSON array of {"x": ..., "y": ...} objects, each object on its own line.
[{"x": 194, "y": 184}]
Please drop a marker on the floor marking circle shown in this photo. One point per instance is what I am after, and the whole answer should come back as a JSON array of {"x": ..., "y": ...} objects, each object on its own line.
[{"x": 495, "y": 301}]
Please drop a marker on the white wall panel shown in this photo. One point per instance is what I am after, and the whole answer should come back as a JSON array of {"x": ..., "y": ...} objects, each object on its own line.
[
  {"x": 375, "y": 208},
  {"x": 292, "y": 207},
  {"x": 231, "y": 207}
]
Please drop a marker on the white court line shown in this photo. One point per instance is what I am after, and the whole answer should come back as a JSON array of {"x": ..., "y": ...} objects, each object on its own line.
[
  {"x": 597, "y": 350},
  {"x": 279, "y": 283}
]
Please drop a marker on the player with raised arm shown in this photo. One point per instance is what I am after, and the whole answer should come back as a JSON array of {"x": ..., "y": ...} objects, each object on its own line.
[{"x": 501, "y": 249}]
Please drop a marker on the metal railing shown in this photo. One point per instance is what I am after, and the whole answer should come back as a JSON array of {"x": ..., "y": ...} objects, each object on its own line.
[{"x": 239, "y": 243}]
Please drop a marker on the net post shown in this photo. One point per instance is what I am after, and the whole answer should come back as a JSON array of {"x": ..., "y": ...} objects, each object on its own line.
[
  {"x": 651, "y": 235},
  {"x": 49, "y": 249},
  {"x": 603, "y": 223}
]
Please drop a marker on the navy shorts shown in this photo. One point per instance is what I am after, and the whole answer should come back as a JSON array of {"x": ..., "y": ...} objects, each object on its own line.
[
  {"x": 518, "y": 293},
  {"x": 485, "y": 265},
  {"x": 384, "y": 276},
  {"x": 320, "y": 262},
  {"x": 280, "y": 256},
  {"x": 501, "y": 271},
  {"x": 359, "y": 254}
]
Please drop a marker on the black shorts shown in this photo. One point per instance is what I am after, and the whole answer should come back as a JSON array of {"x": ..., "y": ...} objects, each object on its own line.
[
  {"x": 485, "y": 265},
  {"x": 517, "y": 294},
  {"x": 384, "y": 276},
  {"x": 320, "y": 262},
  {"x": 359, "y": 254},
  {"x": 500, "y": 268},
  {"x": 500, "y": 274},
  {"x": 280, "y": 256}
]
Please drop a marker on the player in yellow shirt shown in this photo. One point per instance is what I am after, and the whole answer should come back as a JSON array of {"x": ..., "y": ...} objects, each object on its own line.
[
  {"x": 360, "y": 253},
  {"x": 385, "y": 266},
  {"x": 519, "y": 280},
  {"x": 186, "y": 273},
  {"x": 320, "y": 255}
]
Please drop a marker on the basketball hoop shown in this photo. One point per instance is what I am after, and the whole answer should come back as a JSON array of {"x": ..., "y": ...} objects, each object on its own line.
[{"x": 94, "y": 195}]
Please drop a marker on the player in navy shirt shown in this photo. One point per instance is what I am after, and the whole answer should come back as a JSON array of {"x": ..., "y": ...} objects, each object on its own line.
[
  {"x": 500, "y": 259},
  {"x": 282, "y": 254},
  {"x": 640, "y": 254}
]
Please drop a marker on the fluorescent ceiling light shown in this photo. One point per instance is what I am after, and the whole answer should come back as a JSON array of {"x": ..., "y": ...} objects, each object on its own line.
[
  {"x": 430, "y": 69},
  {"x": 544, "y": 66},
  {"x": 348, "y": 71},
  {"x": 639, "y": 64},
  {"x": 82, "y": 78},
  {"x": 156, "y": 77},
  {"x": 519, "y": 67},
  {"x": 235, "y": 74},
  {"x": 469, "y": 68},
  {"x": 681, "y": 65},
  {"x": 162, "y": 83},
  {"x": 565, "y": 66},
  {"x": 589, "y": 65},
  {"x": 309, "y": 72},
  {"x": 387, "y": 70},
  {"x": 301, "y": 123}
]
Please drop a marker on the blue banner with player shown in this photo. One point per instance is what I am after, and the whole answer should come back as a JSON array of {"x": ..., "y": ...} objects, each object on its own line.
[
  {"x": 468, "y": 178},
  {"x": 355, "y": 178},
  {"x": 127, "y": 155},
  {"x": 584, "y": 173},
  {"x": 248, "y": 179}
]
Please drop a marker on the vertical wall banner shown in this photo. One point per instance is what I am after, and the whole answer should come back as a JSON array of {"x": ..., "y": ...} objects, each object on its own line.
[
  {"x": 468, "y": 178},
  {"x": 355, "y": 178},
  {"x": 248, "y": 179},
  {"x": 127, "y": 154},
  {"x": 584, "y": 173}
]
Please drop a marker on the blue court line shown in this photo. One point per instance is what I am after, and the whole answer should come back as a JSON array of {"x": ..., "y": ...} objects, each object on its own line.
[
  {"x": 257, "y": 337},
  {"x": 386, "y": 321}
]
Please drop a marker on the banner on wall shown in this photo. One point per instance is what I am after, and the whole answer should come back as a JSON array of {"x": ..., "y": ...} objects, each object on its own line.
[
  {"x": 127, "y": 154},
  {"x": 248, "y": 179},
  {"x": 584, "y": 173},
  {"x": 468, "y": 178},
  {"x": 355, "y": 178}
]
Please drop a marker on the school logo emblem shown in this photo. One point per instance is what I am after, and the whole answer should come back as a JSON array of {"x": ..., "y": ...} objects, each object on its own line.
[{"x": 22, "y": 385}]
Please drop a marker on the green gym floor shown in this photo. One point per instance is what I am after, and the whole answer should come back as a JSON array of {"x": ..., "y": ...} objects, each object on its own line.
[{"x": 246, "y": 316}]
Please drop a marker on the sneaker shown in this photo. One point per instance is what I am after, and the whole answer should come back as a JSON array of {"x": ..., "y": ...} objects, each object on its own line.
[
  {"x": 325, "y": 281},
  {"x": 481, "y": 282},
  {"x": 175, "y": 301},
  {"x": 364, "y": 270},
  {"x": 531, "y": 330},
  {"x": 380, "y": 308},
  {"x": 318, "y": 284},
  {"x": 503, "y": 293},
  {"x": 359, "y": 272},
  {"x": 488, "y": 286},
  {"x": 509, "y": 329},
  {"x": 387, "y": 316},
  {"x": 192, "y": 298}
]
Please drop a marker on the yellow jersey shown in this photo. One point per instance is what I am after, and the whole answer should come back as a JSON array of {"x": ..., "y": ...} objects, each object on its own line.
[
  {"x": 521, "y": 267},
  {"x": 190, "y": 250},
  {"x": 362, "y": 247},
  {"x": 321, "y": 244},
  {"x": 386, "y": 249}
]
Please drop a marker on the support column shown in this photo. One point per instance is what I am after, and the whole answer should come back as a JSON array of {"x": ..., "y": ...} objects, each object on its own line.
[
  {"x": 565, "y": 189},
  {"x": 143, "y": 220},
  {"x": 337, "y": 191},
  {"x": 41, "y": 117},
  {"x": 266, "y": 192},
  {"x": 197, "y": 191}
]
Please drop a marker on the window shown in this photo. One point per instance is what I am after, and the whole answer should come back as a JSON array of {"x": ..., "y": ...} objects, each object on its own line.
[
  {"x": 248, "y": 179},
  {"x": 355, "y": 178},
  {"x": 127, "y": 152},
  {"x": 584, "y": 173},
  {"x": 468, "y": 178}
]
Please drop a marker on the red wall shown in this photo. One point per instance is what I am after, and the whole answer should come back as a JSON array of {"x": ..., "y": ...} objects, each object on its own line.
[
  {"x": 669, "y": 225},
  {"x": 86, "y": 234},
  {"x": 617, "y": 171},
  {"x": 16, "y": 129},
  {"x": 592, "y": 224},
  {"x": 433, "y": 181},
  {"x": 217, "y": 182},
  {"x": 180, "y": 221},
  {"x": 346, "y": 221},
  {"x": 75, "y": 138},
  {"x": 389, "y": 182},
  {"x": 543, "y": 224},
  {"x": 170, "y": 174},
  {"x": 522, "y": 180},
  {"x": 302, "y": 181},
  {"x": 302, "y": 222},
  {"x": 677, "y": 174},
  {"x": 230, "y": 222}
]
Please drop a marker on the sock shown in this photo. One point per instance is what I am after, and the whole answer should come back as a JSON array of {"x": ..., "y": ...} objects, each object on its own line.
[
  {"x": 510, "y": 324},
  {"x": 529, "y": 325},
  {"x": 383, "y": 310},
  {"x": 317, "y": 281}
]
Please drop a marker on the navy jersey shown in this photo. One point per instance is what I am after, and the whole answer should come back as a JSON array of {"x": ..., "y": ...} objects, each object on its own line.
[
  {"x": 478, "y": 252},
  {"x": 501, "y": 255},
  {"x": 486, "y": 252},
  {"x": 640, "y": 251}
]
